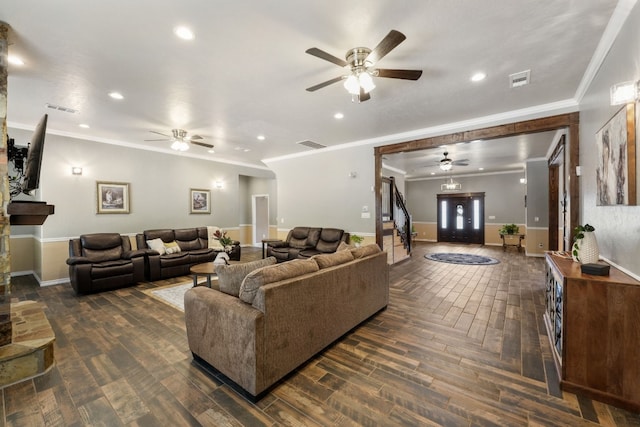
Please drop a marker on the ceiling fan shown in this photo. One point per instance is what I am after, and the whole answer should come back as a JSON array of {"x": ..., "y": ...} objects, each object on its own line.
[
  {"x": 180, "y": 139},
  {"x": 446, "y": 163},
  {"x": 360, "y": 61}
]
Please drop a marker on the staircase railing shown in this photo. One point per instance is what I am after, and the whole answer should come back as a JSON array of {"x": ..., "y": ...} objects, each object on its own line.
[{"x": 395, "y": 209}]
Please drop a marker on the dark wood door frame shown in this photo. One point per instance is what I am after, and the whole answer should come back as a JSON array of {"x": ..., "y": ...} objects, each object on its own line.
[{"x": 569, "y": 121}]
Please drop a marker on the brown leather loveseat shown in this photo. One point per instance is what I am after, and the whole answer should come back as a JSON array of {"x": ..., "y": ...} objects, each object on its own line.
[
  {"x": 103, "y": 261},
  {"x": 305, "y": 242},
  {"x": 193, "y": 246}
]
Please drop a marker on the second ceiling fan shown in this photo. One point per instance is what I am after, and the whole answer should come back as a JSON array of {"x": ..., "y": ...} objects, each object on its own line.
[
  {"x": 180, "y": 139},
  {"x": 361, "y": 62}
]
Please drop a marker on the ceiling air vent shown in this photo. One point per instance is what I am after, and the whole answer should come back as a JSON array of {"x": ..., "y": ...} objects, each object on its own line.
[
  {"x": 311, "y": 144},
  {"x": 61, "y": 108},
  {"x": 519, "y": 79}
]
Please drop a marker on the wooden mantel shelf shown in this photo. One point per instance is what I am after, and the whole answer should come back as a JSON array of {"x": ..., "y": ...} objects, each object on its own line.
[{"x": 28, "y": 212}]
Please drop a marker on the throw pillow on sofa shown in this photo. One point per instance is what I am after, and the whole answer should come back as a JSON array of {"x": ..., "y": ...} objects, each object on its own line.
[
  {"x": 336, "y": 258},
  {"x": 345, "y": 247},
  {"x": 172, "y": 248},
  {"x": 157, "y": 245},
  {"x": 366, "y": 250},
  {"x": 274, "y": 273},
  {"x": 230, "y": 277}
]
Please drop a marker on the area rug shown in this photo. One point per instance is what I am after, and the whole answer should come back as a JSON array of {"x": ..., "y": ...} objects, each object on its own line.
[
  {"x": 172, "y": 295},
  {"x": 467, "y": 259}
]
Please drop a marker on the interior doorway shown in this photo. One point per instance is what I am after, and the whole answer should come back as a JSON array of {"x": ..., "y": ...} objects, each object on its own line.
[
  {"x": 260, "y": 218},
  {"x": 461, "y": 218}
]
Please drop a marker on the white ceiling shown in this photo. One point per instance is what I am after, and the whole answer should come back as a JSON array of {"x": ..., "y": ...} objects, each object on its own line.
[{"x": 246, "y": 71}]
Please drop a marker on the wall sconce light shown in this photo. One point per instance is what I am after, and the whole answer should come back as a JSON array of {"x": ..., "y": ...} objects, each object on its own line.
[
  {"x": 76, "y": 170},
  {"x": 218, "y": 184},
  {"x": 623, "y": 93},
  {"x": 353, "y": 174}
]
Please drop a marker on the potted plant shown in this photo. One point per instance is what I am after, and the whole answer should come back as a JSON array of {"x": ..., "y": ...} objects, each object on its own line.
[
  {"x": 585, "y": 246},
  {"x": 509, "y": 229},
  {"x": 356, "y": 239},
  {"x": 224, "y": 240}
]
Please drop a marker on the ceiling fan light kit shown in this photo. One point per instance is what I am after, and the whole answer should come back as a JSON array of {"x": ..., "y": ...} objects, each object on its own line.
[
  {"x": 360, "y": 61},
  {"x": 180, "y": 140},
  {"x": 446, "y": 164}
]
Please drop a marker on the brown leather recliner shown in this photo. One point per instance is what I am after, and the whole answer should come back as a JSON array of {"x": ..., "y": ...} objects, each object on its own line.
[
  {"x": 103, "y": 261},
  {"x": 298, "y": 239},
  {"x": 305, "y": 242},
  {"x": 330, "y": 239}
]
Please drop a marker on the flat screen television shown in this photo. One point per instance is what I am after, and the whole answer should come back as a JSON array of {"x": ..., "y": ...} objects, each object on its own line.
[{"x": 34, "y": 158}]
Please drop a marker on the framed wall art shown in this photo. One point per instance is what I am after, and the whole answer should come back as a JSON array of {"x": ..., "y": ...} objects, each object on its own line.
[
  {"x": 616, "y": 159},
  {"x": 200, "y": 201},
  {"x": 113, "y": 197}
]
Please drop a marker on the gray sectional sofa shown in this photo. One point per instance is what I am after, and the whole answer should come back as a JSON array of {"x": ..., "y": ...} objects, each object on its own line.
[{"x": 257, "y": 329}]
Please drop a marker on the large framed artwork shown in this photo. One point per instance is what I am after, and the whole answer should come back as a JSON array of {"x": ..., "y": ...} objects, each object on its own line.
[
  {"x": 113, "y": 197},
  {"x": 616, "y": 159},
  {"x": 200, "y": 201}
]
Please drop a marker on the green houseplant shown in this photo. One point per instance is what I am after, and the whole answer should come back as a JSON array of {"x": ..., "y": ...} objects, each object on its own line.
[
  {"x": 585, "y": 246},
  {"x": 356, "y": 239},
  {"x": 509, "y": 229}
]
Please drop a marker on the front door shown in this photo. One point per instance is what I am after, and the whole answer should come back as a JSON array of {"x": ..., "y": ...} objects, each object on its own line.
[{"x": 461, "y": 218}]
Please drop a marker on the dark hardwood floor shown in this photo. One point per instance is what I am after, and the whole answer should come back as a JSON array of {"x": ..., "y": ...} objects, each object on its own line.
[{"x": 457, "y": 346}]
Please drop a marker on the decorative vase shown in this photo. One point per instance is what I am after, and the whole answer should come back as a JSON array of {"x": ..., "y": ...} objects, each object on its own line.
[{"x": 585, "y": 250}]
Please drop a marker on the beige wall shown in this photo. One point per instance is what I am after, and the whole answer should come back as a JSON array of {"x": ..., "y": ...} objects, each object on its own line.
[
  {"x": 427, "y": 231},
  {"x": 22, "y": 250},
  {"x": 535, "y": 238}
]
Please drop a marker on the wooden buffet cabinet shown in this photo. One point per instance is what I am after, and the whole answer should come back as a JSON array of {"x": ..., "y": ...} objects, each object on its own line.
[{"x": 593, "y": 324}]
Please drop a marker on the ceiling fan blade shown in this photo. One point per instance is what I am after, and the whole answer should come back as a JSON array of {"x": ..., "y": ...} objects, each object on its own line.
[
  {"x": 202, "y": 144},
  {"x": 398, "y": 74},
  {"x": 192, "y": 137},
  {"x": 391, "y": 40},
  {"x": 314, "y": 51},
  {"x": 160, "y": 133},
  {"x": 459, "y": 163},
  {"x": 323, "y": 84}
]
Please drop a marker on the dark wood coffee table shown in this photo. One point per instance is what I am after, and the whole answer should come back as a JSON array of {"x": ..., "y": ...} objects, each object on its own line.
[{"x": 207, "y": 269}]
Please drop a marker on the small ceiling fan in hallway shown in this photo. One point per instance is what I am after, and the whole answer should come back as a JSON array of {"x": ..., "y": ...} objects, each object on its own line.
[
  {"x": 446, "y": 163},
  {"x": 181, "y": 139},
  {"x": 360, "y": 61}
]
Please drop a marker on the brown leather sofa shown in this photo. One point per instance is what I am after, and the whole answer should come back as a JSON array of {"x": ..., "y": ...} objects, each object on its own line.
[
  {"x": 103, "y": 261},
  {"x": 305, "y": 242},
  {"x": 194, "y": 249}
]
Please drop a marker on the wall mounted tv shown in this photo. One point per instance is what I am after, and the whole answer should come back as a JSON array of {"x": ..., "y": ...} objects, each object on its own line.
[{"x": 34, "y": 158}]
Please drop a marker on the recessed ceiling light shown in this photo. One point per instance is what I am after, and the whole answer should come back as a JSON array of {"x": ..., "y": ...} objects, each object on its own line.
[
  {"x": 184, "y": 33},
  {"x": 433, "y": 173},
  {"x": 116, "y": 95},
  {"x": 478, "y": 77},
  {"x": 261, "y": 137},
  {"x": 338, "y": 116},
  {"x": 480, "y": 169},
  {"x": 84, "y": 125},
  {"x": 211, "y": 151},
  {"x": 15, "y": 60}
]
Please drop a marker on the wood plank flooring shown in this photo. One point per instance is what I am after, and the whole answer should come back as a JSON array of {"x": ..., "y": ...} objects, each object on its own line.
[{"x": 457, "y": 346}]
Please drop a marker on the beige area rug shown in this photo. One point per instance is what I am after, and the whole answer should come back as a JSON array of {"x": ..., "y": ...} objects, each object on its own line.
[{"x": 172, "y": 295}]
